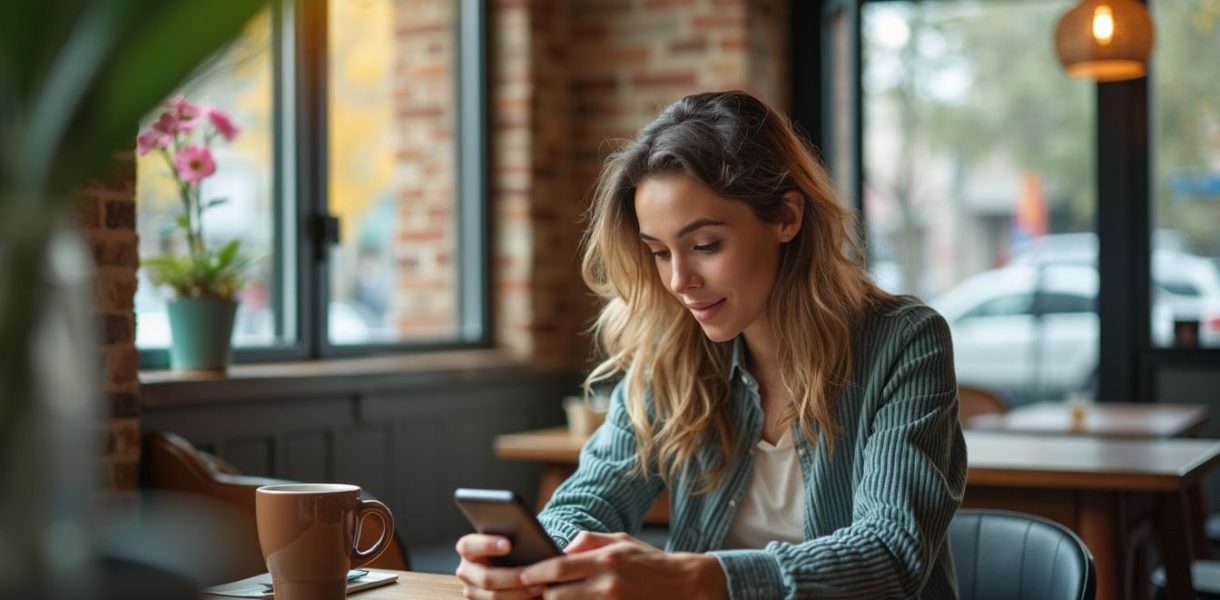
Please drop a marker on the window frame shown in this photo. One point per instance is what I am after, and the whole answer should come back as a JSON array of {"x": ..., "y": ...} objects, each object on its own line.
[{"x": 299, "y": 58}]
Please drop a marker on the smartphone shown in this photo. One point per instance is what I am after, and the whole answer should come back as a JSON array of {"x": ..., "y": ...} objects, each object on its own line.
[{"x": 504, "y": 513}]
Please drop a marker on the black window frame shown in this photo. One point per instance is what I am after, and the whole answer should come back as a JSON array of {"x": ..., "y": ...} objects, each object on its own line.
[{"x": 299, "y": 49}]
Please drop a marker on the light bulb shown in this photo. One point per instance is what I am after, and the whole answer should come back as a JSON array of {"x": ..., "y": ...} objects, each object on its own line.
[{"x": 1103, "y": 25}]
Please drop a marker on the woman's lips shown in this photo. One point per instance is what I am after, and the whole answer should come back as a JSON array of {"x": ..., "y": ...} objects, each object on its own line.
[{"x": 705, "y": 312}]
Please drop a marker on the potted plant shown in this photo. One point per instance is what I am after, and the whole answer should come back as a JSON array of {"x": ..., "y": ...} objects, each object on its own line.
[
  {"x": 204, "y": 280},
  {"x": 77, "y": 78}
]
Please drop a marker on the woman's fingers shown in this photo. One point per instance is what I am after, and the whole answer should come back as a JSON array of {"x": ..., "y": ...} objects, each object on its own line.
[
  {"x": 589, "y": 540},
  {"x": 571, "y": 567},
  {"x": 476, "y": 546}
]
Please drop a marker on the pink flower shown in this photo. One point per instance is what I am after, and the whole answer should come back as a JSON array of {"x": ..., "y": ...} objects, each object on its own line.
[
  {"x": 194, "y": 163},
  {"x": 221, "y": 122},
  {"x": 159, "y": 135},
  {"x": 184, "y": 112}
]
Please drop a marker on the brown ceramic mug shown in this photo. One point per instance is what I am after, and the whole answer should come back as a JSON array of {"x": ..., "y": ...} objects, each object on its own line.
[{"x": 308, "y": 533}]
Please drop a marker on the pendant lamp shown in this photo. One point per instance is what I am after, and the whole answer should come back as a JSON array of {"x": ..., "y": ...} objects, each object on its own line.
[{"x": 1105, "y": 40}]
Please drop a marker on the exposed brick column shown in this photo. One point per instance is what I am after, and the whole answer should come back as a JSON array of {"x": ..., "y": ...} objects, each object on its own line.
[
  {"x": 425, "y": 68},
  {"x": 570, "y": 78},
  {"x": 512, "y": 164},
  {"x": 108, "y": 218}
]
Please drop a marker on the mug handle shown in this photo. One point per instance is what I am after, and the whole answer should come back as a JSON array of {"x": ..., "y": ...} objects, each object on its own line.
[{"x": 379, "y": 510}]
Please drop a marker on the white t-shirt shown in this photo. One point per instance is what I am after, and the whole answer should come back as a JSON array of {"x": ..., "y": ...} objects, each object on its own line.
[{"x": 773, "y": 508}]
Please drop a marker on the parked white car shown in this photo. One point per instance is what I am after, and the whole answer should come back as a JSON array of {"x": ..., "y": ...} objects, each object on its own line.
[
  {"x": 1003, "y": 342},
  {"x": 1030, "y": 330}
]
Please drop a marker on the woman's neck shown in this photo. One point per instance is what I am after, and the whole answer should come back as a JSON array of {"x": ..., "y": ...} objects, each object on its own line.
[{"x": 762, "y": 360}]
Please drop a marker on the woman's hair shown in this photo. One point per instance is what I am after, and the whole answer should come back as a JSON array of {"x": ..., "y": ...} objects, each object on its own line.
[{"x": 677, "y": 380}]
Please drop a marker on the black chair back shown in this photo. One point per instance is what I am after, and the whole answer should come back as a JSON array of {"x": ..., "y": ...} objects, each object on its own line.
[{"x": 1003, "y": 555}]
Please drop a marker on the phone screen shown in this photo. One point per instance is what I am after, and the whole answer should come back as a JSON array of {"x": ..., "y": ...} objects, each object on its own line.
[{"x": 504, "y": 513}]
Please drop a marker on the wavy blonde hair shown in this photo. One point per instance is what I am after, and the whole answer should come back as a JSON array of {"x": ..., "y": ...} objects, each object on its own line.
[{"x": 677, "y": 383}]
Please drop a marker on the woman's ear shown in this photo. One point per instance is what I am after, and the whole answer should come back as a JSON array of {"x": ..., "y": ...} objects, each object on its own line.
[{"x": 791, "y": 214}]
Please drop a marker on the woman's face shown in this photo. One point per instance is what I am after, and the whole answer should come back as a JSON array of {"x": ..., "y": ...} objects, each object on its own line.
[{"x": 711, "y": 252}]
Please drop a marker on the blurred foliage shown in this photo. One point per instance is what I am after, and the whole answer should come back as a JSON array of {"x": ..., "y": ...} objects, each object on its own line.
[
  {"x": 75, "y": 78},
  {"x": 979, "y": 80}
]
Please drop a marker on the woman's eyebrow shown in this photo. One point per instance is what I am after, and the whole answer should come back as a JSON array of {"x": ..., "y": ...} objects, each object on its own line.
[{"x": 686, "y": 230}]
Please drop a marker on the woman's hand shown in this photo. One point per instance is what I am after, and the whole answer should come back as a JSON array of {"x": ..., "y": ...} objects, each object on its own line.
[
  {"x": 485, "y": 581},
  {"x": 599, "y": 565}
]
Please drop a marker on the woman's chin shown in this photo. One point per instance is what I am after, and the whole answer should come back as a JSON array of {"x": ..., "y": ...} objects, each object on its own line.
[{"x": 718, "y": 334}]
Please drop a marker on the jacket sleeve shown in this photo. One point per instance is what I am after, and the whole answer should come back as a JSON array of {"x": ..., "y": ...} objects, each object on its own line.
[
  {"x": 911, "y": 484},
  {"x": 605, "y": 494}
]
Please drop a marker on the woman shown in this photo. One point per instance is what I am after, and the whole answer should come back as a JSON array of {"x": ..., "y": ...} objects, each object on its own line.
[{"x": 803, "y": 420}]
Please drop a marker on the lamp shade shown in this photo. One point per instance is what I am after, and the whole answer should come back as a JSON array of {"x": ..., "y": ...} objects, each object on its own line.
[{"x": 1105, "y": 40}]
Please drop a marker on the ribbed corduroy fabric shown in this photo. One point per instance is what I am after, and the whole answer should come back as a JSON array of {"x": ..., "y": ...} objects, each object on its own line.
[{"x": 875, "y": 515}]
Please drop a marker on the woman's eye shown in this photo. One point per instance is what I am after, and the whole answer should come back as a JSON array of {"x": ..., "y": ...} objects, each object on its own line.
[
  {"x": 661, "y": 255},
  {"x": 708, "y": 248}
]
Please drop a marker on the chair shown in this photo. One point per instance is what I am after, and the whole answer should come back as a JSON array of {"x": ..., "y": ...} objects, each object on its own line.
[
  {"x": 170, "y": 463},
  {"x": 973, "y": 401},
  {"x": 1001, "y": 554}
]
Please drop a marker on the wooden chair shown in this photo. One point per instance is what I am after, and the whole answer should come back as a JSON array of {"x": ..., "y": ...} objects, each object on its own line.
[
  {"x": 170, "y": 463},
  {"x": 973, "y": 401}
]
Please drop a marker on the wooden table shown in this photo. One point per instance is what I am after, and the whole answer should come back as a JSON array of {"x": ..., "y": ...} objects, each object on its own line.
[
  {"x": 1104, "y": 489},
  {"x": 410, "y": 586},
  {"x": 1134, "y": 420},
  {"x": 415, "y": 586}
]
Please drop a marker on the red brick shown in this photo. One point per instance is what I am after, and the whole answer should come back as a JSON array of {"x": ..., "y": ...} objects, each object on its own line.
[
  {"x": 705, "y": 22},
  {"x": 672, "y": 79},
  {"x": 423, "y": 112},
  {"x": 413, "y": 29},
  {"x": 122, "y": 365},
  {"x": 124, "y": 404},
  {"x": 734, "y": 44},
  {"x": 90, "y": 213},
  {"x": 585, "y": 32},
  {"x": 116, "y": 329},
  {"x": 421, "y": 236},
  {"x": 121, "y": 294},
  {"x": 120, "y": 215},
  {"x": 688, "y": 46},
  {"x": 117, "y": 253},
  {"x": 125, "y": 438}
]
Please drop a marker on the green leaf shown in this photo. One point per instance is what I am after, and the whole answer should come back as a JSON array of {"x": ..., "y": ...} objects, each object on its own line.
[
  {"x": 228, "y": 252},
  {"x": 214, "y": 202}
]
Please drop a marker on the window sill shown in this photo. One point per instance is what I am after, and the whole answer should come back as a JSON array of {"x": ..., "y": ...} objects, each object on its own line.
[{"x": 169, "y": 389}]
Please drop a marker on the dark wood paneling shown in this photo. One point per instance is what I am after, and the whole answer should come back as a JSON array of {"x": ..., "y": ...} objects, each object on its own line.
[
  {"x": 307, "y": 457},
  {"x": 363, "y": 458},
  {"x": 409, "y": 439},
  {"x": 250, "y": 455}
]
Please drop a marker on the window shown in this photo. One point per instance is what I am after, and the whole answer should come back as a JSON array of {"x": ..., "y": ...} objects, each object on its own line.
[
  {"x": 978, "y": 156},
  {"x": 1185, "y": 176},
  {"x": 357, "y": 179},
  {"x": 240, "y": 83}
]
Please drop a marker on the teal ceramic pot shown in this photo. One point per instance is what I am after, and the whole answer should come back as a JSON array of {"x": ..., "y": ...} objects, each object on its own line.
[{"x": 201, "y": 331}]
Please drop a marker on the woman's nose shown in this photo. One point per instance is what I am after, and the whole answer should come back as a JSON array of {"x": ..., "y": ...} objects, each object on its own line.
[{"x": 682, "y": 278}]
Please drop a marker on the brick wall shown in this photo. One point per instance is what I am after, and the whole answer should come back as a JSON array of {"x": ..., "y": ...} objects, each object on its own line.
[
  {"x": 424, "y": 66},
  {"x": 108, "y": 218},
  {"x": 569, "y": 77}
]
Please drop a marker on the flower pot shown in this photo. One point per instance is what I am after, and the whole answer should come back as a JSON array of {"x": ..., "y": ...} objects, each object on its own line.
[{"x": 201, "y": 330}]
